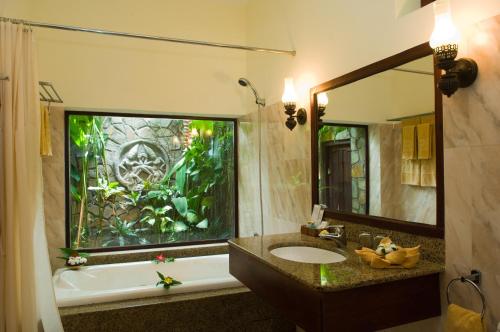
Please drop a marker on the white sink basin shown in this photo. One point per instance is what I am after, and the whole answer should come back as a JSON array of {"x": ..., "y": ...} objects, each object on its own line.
[{"x": 308, "y": 255}]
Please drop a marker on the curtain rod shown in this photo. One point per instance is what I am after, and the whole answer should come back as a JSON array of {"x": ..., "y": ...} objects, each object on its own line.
[{"x": 148, "y": 37}]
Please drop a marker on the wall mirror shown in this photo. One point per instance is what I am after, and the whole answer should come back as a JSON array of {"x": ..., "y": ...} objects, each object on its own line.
[{"x": 377, "y": 152}]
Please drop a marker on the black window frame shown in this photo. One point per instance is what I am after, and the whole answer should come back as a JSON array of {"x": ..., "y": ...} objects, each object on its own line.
[{"x": 67, "y": 203}]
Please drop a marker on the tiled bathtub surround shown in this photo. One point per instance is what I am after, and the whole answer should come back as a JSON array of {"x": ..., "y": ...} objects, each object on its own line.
[
  {"x": 225, "y": 310},
  {"x": 472, "y": 172}
]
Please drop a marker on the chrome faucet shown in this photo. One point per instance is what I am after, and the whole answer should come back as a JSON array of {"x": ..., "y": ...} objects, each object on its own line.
[{"x": 337, "y": 234}]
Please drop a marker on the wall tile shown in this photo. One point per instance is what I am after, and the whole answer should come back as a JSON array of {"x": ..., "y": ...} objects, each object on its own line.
[
  {"x": 53, "y": 194},
  {"x": 472, "y": 174}
]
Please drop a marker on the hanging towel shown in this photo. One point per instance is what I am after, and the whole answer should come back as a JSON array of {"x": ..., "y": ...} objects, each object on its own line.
[
  {"x": 45, "y": 138},
  {"x": 463, "y": 320},
  {"x": 410, "y": 172},
  {"x": 410, "y": 166},
  {"x": 424, "y": 134},
  {"x": 428, "y": 166},
  {"x": 409, "y": 145}
]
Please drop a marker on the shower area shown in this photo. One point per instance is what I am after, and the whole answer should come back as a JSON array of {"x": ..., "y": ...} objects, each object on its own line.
[{"x": 273, "y": 172}]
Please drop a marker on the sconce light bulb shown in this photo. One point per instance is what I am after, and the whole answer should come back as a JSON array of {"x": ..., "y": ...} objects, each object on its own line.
[
  {"x": 322, "y": 99},
  {"x": 445, "y": 32},
  {"x": 289, "y": 95}
]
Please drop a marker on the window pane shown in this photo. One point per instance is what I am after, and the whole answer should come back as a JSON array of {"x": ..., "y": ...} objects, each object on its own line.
[{"x": 147, "y": 181}]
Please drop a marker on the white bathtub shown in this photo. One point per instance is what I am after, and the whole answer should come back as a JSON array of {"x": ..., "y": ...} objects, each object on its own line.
[{"x": 116, "y": 282}]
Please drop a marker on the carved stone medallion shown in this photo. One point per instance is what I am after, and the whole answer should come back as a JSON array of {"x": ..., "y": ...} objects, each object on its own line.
[{"x": 139, "y": 161}]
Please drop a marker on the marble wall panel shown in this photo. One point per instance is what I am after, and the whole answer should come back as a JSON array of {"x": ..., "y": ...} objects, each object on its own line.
[
  {"x": 391, "y": 198},
  {"x": 472, "y": 172},
  {"x": 53, "y": 193},
  {"x": 285, "y": 172}
]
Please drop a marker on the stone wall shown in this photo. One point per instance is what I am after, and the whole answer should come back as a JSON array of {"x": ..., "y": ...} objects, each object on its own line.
[
  {"x": 153, "y": 143},
  {"x": 137, "y": 150}
]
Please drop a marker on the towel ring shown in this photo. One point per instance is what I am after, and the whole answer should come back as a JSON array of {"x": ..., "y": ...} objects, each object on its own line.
[{"x": 473, "y": 280}]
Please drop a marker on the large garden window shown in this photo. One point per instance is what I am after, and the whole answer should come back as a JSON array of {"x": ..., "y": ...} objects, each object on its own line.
[{"x": 136, "y": 181}]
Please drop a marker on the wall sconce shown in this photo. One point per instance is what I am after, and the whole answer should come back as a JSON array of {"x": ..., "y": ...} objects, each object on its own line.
[
  {"x": 289, "y": 99},
  {"x": 322, "y": 101},
  {"x": 444, "y": 40}
]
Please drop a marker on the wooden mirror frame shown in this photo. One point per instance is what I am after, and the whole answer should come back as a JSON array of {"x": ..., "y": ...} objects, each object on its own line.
[{"x": 399, "y": 59}]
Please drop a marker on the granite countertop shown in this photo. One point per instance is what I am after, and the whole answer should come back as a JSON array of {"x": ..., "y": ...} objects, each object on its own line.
[{"x": 350, "y": 273}]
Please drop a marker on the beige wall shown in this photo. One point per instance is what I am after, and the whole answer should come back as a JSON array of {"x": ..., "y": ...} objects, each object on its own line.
[
  {"x": 10, "y": 8},
  {"x": 387, "y": 95},
  {"x": 102, "y": 72},
  {"x": 334, "y": 37}
]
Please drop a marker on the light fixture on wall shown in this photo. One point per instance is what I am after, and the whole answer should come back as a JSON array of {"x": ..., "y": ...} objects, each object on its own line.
[
  {"x": 322, "y": 101},
  {"x": 289, "y": 99},
  {"x": 444, "y": 40}
]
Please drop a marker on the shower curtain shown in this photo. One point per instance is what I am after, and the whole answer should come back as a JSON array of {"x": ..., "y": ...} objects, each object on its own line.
[{"x": 26, "y": 293}]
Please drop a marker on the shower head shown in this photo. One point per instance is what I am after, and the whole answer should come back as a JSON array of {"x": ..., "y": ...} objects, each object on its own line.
[
  {"x": 259, "y": 101},
  {"x": 243, "y": 82}
]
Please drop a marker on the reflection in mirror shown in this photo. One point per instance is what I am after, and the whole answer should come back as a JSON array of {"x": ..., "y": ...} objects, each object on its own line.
[{"x": 376, "y": 146}]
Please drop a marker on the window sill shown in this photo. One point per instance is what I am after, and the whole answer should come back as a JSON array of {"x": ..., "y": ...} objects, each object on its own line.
[{"x": 149, "y": 254}]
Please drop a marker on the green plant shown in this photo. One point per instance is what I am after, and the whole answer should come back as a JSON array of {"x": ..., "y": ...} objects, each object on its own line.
[
  {"x": 201, "y": 174},
  {"x": 157, "y": 217},
  {"x": 132, "y": 198},
  {"x": 107, "y": 189},
  {"x": 193, "y": 201},
  {"x": 123, "y": 233}
]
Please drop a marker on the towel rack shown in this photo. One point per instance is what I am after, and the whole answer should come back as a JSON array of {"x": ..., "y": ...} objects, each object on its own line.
[
  {"x": 473, "y": 279},
  {"x": 47, "y": 91}
]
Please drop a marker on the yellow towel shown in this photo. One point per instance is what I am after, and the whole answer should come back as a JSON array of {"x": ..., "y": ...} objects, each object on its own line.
[
  {"x": 45, "y": 139},
  {"x": 428, "y": 166},
  {"x": 463, "y": 320},
  {"x": 424, "y": 134},
  {"x": 410, "y": 172},
  {"x": 409, "y": 142}
]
